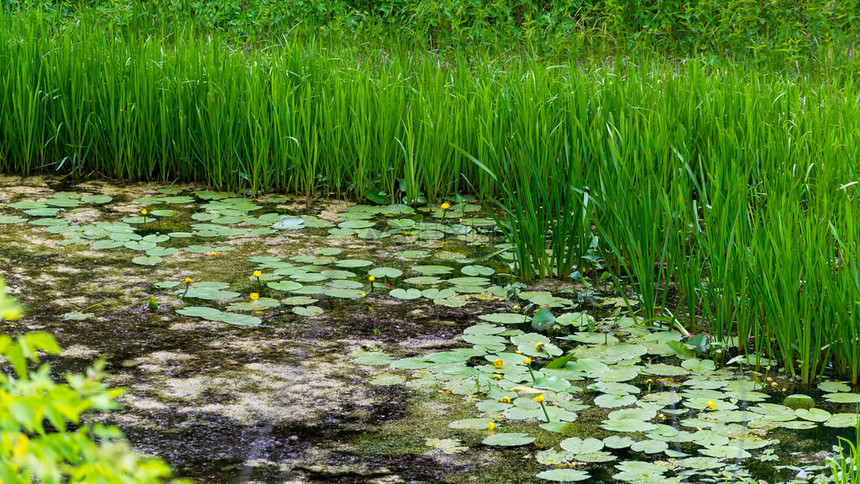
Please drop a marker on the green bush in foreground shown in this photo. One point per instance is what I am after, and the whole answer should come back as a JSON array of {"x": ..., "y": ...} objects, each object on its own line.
[{"x": 65, "y": 450}]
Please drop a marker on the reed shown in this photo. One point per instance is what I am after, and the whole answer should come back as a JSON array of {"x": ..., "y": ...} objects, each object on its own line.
[{"x": 727, "y": 198}]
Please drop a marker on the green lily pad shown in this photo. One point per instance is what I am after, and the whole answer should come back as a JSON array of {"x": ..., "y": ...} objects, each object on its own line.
[
  {"x": 577, "y": 445},
  {"x": 76, "y": 316},
  {"x": 476, "y": 270},
  {"x": 813, "y": 414},
  {"x": 552, "y": 457},
  {"x": 389, "y": 272},
  {"x": 447, "y": 446},
  {"x": 504, "y": 318},
  {"x": 147, "y": 260},
  {"x": 508, "y": 439},
  {"x": 618, "y": 442},
  {"x": 308, "y": 311},
  {"x": 470, "y": 423},
  {"x": 842, "y": 397},
  {"x": 12, "y": 219},
  {"x": 834, "y": 386},
  {"x": 842, "y": 420},
  {"x": 563, "y": 475},
  {"x": 405, "y": 294},
  {"x": 650, "y": 446},
  {"x": 212, "y": 314},
  {"x": 289, "y": 223},
  {"x": 614, "y": 401}
]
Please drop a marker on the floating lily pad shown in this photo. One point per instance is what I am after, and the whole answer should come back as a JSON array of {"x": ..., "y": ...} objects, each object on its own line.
[
  {"x": 577, "y": 445},
  {"x": 813, "y": 414},
  {"x": 212, "y": 314},
  {"x": 385, "y": 272},
  {"x": 76, "y": 316},
  {"x": 842, "y": 420},
  {"x": 834, "y": 386},
  {"x": 308, "y": 311},
  {"x": 470, "y": 423},
  {"x": 405, "y": 293},
  {"x": 447, "y": 446},
  {"x": 508, "y": 439},
  {"x": 504, "y": 318},
  {"x": 842, "y": 397},
  {"x": 147, "y": 260},
  {"x": 563, "y": 475}
]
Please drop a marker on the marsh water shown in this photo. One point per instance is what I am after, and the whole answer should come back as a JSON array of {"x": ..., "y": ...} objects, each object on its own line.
[{"x": 327, "y": 376}]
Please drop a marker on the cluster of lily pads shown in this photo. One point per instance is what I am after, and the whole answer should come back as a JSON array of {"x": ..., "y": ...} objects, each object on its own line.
[
  {"x": 656, "y": 420},
  {"x": 656, "y": 409}
]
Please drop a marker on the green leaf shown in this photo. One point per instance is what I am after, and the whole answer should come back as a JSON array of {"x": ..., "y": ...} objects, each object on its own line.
[
  {"x": 560, "y": 362},
  {"x": 508, "y": 439}
]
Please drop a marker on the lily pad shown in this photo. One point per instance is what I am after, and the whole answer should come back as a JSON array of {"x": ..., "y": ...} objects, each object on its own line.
[
  {"x": 563, "y": 475},
  {"x": 508, "y": 439}
]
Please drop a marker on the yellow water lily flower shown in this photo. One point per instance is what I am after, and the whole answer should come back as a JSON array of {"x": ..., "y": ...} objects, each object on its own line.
[
  {"x": 371, "y": 278},
  {"x": 257, "y": 274},
  {"x": 538, "y": 346},
  {"x": 506, "y": 400},
  {"x": 527, "y": 361},
  {"x": 711, "y": 404},
  {"x": 144, "y": 212},
  {"x": 498, "y": 363},
  {"x": 491, "y": 426},
  {"x": 539, "y": 398},
  {"x": 188, "y": 280},
  {"x": 446, "y": 206},
  {"x": 497, "y": 377},
  {"x": 254, "y": 296}
]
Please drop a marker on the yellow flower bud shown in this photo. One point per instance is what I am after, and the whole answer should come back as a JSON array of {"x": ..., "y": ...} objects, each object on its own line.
[
  {"x": 498, "y": 363},
  {"x": 497, "y": 377},
  {"x": 371, "y": 278},
  {"x": 254, "y": 296},
  {"x": 527, "y": 361},
  {"x": 711, "y": 404},
  {"x": 538, "y": 346},
  {"x": 539, "y": 398},
  {"x": 188, "y": 280},
  {"x": 491, "y": 426},
  {"x": 257, "y": 274}
]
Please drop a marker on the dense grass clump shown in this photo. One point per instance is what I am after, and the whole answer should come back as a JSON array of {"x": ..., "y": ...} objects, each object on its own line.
[
  {"x": 743, "y": 29},
  {"x": 727, "y": 196}
]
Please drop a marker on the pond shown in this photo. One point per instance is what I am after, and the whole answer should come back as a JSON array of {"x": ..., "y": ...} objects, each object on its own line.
[{"x": 275, "y": 340}]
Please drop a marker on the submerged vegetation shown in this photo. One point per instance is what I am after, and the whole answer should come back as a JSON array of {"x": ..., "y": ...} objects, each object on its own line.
[{"x": 656, "y": 209}]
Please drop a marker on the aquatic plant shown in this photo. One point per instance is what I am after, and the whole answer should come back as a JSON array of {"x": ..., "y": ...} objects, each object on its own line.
[{"x": 846, "y": 465}]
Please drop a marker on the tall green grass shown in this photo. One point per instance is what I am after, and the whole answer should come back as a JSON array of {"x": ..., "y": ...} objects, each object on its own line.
[{"x": 726, "y": 197}]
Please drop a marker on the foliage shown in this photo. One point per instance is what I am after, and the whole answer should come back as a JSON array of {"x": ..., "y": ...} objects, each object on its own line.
[
  {"x": 66, "y": 449},
  {"x": 846, "y": 465},
  {"x": 740, "y": 28}
]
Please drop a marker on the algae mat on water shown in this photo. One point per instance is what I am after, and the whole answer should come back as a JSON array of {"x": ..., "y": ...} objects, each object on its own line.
[{"x": 258, "y": 302}]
